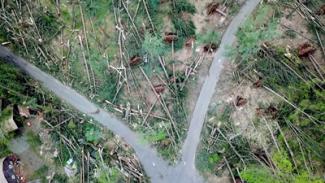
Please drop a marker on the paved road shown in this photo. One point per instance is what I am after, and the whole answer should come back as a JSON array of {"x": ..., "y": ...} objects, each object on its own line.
[
  {"x": 193, "y": 136},
  {"x": 154, "y": 166},
  {"x": 157, "y": 169}
]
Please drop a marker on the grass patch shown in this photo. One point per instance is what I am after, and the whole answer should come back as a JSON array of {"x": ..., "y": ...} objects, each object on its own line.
[{"x": 33, "y": 140}]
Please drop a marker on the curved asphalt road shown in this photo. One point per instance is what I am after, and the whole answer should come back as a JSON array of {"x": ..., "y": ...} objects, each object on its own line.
[
  {"x": 156, "y": 168},
  {"x": 147, "y": 156},
  {"x": 193, "y": 136}
]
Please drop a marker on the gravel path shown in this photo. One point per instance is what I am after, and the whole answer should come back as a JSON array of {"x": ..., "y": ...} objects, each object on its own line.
[{"x": 156, "y": 168}]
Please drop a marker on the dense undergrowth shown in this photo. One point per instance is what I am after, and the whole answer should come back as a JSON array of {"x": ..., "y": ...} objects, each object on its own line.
[{"x": 296, "y": 152}]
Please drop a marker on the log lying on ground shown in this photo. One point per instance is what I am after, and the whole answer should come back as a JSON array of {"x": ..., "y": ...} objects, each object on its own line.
[{"x": 135, "y": 60}]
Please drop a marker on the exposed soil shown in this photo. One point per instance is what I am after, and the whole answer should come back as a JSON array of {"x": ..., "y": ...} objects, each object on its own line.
[{"x": 297, "y": 23}]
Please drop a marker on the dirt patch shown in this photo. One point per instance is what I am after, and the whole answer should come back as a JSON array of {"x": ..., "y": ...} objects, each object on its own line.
[
  {"x": 298, "y": 26},
  {"x": 244, "y": 116},
  {"x": 246, "y": 121}
]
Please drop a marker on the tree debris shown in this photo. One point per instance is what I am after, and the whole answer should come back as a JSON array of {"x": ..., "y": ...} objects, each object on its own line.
[
  {"x": 23, "y": 111},
  {"x": 135, "y": 60},
  {"x": 258, "y": 83},
  {"x": 210, "y": 48},
  {"x": 306, "y": 49},
  {"x": 190, "y": 42},
  {"x": 321, "y": 11},
  {"x": 212, "y": 8},
  {"x": 170, "y": 37},
  {"x": 271, "y": 111},
  {"x": 240, "y": 101},
  {"x": 163, "y": 1},
  {"x": 160, "y": 88},
  {"x": 262, "y": 156}
]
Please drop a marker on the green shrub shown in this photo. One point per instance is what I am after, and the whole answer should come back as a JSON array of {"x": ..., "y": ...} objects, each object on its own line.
[
  {"x": 209, "y": 37},
  {"x": 60, "y": 178},
  {"x": 12, "y": 83},
  {"x": 72, "y": 125},
  {"x": 184, "y": 28},
  {"x": 97, "y": 8},
  {"x": 258, "y": 174},
  {"x": 153, "y": 45},
  {"x": 153, "y": 6},
  {"x": 47, "y": 23},
  {"x": 214, "y": 158},
  {"x": 206, "y": 162},
  {"x": 251, "y": 34},
  {"x": 33, "y": 140},
  {"x": 41, "y": 173},
  {"x": 113, "y": 175},
  {"x": 107, "y": 90},
  {"x": 4, "y": 136},
  {"x": 281, "y": 160},
  {"x": 183, "y": 6},
  {"x": 157, "y": 136},
  {"x": 92, "y": 133},
  {"x": 305, "y": 178},
  {"x": 4, "y": 150},
  {"x": 309, "y": 98}
]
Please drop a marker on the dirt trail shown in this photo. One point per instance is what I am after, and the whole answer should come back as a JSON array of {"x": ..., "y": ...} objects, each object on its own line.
[{"x": 156, "y": 168}]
